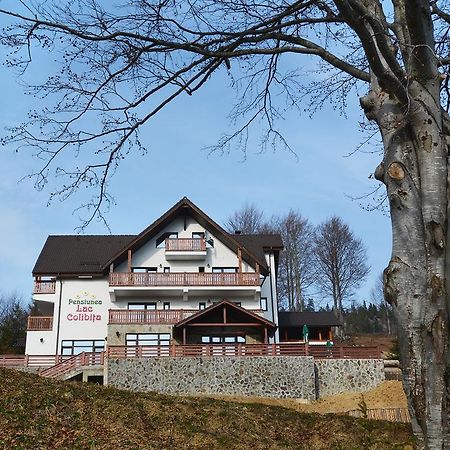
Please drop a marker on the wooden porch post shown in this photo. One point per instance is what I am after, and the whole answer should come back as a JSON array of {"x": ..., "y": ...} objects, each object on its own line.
[
  {"x": 184, "y": 335},
  {"x": 266, "y": 339}
]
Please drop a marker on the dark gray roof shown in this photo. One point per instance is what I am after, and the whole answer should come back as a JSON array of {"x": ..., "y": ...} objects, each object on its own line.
[
  {"x": 78, "y": 254},
  {"x": 298, "y": 319},
  {"x": 88, "y": 254},
  {"x": 257, "y": 243}
]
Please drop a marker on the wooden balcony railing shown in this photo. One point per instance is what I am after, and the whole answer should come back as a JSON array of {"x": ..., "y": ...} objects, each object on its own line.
[
  {"x": 183, "y": 279},
  {"x": 44, "y": 287},
  {"x": 38, "y": 323},
  {"x": 174, "y": 350},
  {"x": 149, "y": 316},
  {"x": 185, "y": 245}
]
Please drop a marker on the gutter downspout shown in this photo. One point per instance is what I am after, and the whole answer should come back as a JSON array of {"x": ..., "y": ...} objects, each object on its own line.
[{"x": 59, "y": 315}]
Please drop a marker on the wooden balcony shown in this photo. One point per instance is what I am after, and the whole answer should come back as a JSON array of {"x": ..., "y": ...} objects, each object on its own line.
[
  {"x": 152, "y": 316},
  {"x": 185, "y": 245},
  {"x": 183, "y": 279},
  {"x": 44, "y": 287},
  {"x": 148, "y": 316},
  {"x": 40, "y": 323}
]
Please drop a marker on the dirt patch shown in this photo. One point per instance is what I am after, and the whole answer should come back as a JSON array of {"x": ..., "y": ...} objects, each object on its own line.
[{"x": 389, "y": 394}]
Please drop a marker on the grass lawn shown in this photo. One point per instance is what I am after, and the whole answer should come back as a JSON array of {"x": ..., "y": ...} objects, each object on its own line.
[{"x": 37, "y": 413}]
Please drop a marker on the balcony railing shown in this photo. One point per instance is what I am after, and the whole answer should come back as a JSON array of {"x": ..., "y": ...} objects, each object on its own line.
[
  {"x": 44, "y": 287},
  {"x": 39, "y": 323},
  {"x": 183, "y": 279},
  {"x": 185, "y": 245},
  {"x": 151, "y": 316},
  {"x": 148, "y": 316}
]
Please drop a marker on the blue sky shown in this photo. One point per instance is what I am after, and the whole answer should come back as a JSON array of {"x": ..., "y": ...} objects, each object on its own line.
[{"x": 318, "y": 182}]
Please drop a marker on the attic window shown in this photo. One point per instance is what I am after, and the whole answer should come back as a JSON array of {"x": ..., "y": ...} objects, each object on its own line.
[{"x": 160, "y": 241}]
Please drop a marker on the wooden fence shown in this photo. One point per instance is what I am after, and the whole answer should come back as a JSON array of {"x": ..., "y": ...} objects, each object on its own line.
[
  {"x": 206, "y": 350},
  {"x": 390, "y": 414}
]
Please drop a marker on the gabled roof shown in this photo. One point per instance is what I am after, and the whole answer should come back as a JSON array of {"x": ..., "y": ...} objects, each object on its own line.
[
  {"x": 230, "y": 305},
  {"x": 78, "y": 254},
  {"x": 186, "y": 207},
  {"x": 92, "y": 255},
  {"x": 310, "y": 318}
]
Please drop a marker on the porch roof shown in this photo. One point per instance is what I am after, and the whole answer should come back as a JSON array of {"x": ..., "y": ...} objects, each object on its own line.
[{"x": 200, "y": 315}]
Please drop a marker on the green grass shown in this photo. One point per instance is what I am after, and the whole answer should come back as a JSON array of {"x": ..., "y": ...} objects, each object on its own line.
[{"x": 37, "y": 413}]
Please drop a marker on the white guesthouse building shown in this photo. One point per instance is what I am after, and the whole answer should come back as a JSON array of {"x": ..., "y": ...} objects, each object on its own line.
[{"x": 182, "y": 281}]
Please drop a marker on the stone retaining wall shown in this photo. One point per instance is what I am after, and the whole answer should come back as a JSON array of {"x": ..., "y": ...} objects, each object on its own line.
[
  {"x": 334, "y": 376},
  {"x": 277, "y": 377}
]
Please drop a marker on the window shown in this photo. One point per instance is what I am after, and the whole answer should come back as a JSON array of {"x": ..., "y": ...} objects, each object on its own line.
[
  {"x": 166, "y": 269},
  {"x": 224, "y": 269},
  {"x": 166, "y": 305},
  {"x": 144, "y": 269},
  {"x": 223, "y": 339},
  {"x": 70, "y": 348},
  {"x": 161, "y": 240},
  {"x": 147, "y": 339},
  {"x": 201, "y": 270},
  {"x": 202, "y": 305},
  {"x": 141, "y": 306},
  {"x": 263, "y": 303},
  {"x": 198, "y": 235}
]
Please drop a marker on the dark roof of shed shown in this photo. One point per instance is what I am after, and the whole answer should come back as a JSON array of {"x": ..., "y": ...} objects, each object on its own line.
[
  {"x": 298, "y": 319},
  {"x": 257, "y": 243},
  {"x": 78, "y": 254}
]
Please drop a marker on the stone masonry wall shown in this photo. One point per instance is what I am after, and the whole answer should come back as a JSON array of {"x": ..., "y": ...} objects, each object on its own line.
[
  {"x": 278, "y": 377},
  {"x": 334, "y": 376}
]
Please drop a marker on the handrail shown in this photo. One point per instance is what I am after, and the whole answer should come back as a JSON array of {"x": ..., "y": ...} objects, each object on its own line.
[
  {"x": 81, "y": 360},
  {"x": 184, "y": 279}
]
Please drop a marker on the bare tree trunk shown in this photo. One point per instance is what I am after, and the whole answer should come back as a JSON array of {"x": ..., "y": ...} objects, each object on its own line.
[{"x": 414, "y": 170}]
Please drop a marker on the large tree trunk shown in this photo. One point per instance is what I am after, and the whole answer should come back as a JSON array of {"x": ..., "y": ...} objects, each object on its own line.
[{"x": 415, "y": 170}]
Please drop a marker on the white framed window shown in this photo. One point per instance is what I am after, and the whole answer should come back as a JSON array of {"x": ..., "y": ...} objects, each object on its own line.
[
  {"x": 147, "y": 339},
  {"x": 166, "y": 305},
  {"x": 75, "y": 347},
  {"x": 263, "y": 303},
  {"x": 142, "y": 306},
  {"x": 202, "y": 305}
]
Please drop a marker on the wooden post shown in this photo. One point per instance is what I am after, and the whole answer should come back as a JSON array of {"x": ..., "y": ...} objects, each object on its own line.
[
  {"x": 239, "y": 255},
  {"x": 184, "y": 335},
  {"x": 266, "y": 340},
  {"x": 330, "y": 334},
  {"x": 129, "y": 261},
  {"x": 129, "y": 268},
  {"x": 320, "y": 335},
  {"x": 224, "y": 314}
]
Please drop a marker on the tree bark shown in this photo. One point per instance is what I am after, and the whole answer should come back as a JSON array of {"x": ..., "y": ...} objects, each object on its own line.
[{"x": 415, "y": 171}]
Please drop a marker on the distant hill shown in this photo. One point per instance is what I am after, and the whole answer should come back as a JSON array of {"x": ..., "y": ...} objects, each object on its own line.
[{"x": 37, "y": 413}]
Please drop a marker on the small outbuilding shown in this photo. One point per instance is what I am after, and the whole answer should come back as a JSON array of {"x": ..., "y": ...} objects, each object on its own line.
[{"x": 321, "y": 326}]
